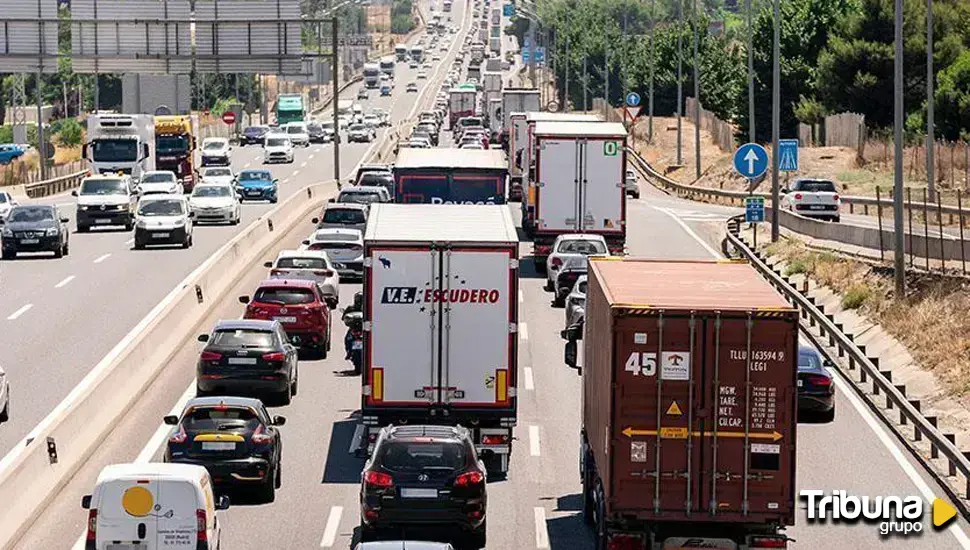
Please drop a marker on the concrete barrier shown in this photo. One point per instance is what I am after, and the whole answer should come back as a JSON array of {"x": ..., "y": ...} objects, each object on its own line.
[{"x": 29, "y": 477}]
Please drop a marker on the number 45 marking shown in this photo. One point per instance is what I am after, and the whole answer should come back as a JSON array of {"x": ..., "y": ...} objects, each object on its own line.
[{"x": 642, "y": 363}]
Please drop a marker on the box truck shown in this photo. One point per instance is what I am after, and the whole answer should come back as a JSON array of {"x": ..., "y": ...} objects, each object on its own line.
[
  {"x": 440, "y": 322},
  {"x": 689, "y": 405},
  {"x": 462, "y": 102},
  {"x": 120, "y": 144},
  {"x": 462, "y": 176}
]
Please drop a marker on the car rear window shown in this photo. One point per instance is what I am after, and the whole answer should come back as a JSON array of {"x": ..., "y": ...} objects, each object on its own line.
[
  {"x": 284, "y": 296},
  {"x": 405, "y": 456},
  {"x": 211, "y": 418},
  {"x": 302, "y": 263},
  {"x": 243, "y": 338},
  {"x": 808, "y": 361},
  {"x": 330, "y": 245},
  {"x": 342, "y": 215},
  {"x": 359, "y": 198},
  {"x": 582, "y": 247},
  {"x": 815, "y": 186}
]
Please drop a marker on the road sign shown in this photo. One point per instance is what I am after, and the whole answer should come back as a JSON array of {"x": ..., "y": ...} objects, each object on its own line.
[
  {"x": 632, "y": 112},
  {"x": 788, "y": 155},
  {"x": 751, "y": 160},
  {"x": 541, "y": 54},
  {"x": 229, "y": 117},
  {"x": 508, "y": 10},
  {"x": 633, "y": 99},
  {"x": 754, "y": 209},
  {"x": 527, "y": 42},
  {"x": 526, "y": 55}
]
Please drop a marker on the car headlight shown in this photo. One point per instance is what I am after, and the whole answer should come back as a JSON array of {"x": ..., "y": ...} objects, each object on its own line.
[
  {"x": 7, "y": 232},
  {"x": 83, "y": 208},
  {"x": 52, "y": 231},
  {"x": 339, "y": 265},
  {"x": 179, "y": 223},
  {"x": 141, "y": 223}
]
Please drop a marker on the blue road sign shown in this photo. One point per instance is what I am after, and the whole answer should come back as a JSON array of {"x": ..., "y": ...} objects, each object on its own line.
[
  {"x": 754, "y": 209},
  {"x": 751, "y": 160},
  {"x": 508, "y": 10},
  {"x": 541, "y": 54},
  {"x": 526, "y": 55},
  {"x": 788, "y": 155},
  {"x": 632, "y": 99},
  {"x": 526, "y": 42}
]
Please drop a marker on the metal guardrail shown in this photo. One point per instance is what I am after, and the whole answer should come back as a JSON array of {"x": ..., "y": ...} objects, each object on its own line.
[
  {"x": 880, "y": 381},
  {"x": 55, "y": 185}
]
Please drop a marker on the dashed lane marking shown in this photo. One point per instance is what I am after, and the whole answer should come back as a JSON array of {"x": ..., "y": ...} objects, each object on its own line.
[
  {"x": 19, "y": 312},
  {"x": 542, "y": 532},
  {"x": 534, "y": 440},
  {"x": 330, "y": 531},
  {"x": 66, "y": 280},
  {"x": 523, "y": 331},
  {"x": 101, "y": 258},
  {"x": 529, "y": 381}
]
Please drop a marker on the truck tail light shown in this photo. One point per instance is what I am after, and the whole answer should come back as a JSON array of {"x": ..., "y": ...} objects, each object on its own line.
[
  {"x": 201, "y": 525},
  {"x": 768, "y": 542},
  {"x": 211, "y": 356},
  {"x": 178, "y": 437},
  {"x": 468, "y": 479},
  {"x": 92, "y": 526},
  {"x": 260, "y": 438},
  {"x": 621, "y": 541},
  {"x": 379, "y": 480},
  {"x": 494, "y": 439}
]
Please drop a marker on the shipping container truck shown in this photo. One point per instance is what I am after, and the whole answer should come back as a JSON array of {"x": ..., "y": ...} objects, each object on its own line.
[
  {"x": 477, "y": 52},
  {"x": 462, "y": 102},
  {"x": 462, "y": 176},
  {"x": 290, "y": 108},
  {"x": 175, "y": 143},
  {"x": 696, "y": 449},
  {"x": 497, "y": 16},
  {"x": 387, "y": 65},
  {"x": 441, "y": 320},
  {"x": 120, "y": 144}
]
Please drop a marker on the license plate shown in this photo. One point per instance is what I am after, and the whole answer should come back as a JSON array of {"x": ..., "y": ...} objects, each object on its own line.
[
  {"x": 407, "y": 492},
  {"x": 253, "y": 193},
  {"x": 286, "y": 319},
  {"x": 125, "y": 547},
  {"x": 242, "y": 360},
  {"x": 817, "y": 206},
  {"x": 29, "y": 241},
  {"x": 799, "y": 383},
  {"x": 103, "y": 220},
  {"x": 358, "y": 345},
  {"x": 218, "y": 446},
  {"x": 160, "y": 235}
]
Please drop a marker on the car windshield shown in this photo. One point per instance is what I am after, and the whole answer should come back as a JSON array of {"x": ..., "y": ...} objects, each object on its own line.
[
  {"x": 816, "y": 186},
  {"x": 30, "y": 214},
  {"x": 357, "y": 128},
  {"x": 295, "y": 130},
  {"x": 374, "y": 177},
  {"x": 103, "y": 187},
  {"x": 255, "y": 176},
  {"x": 401, "y": 456},
  {"x": 582, "y": 247},
  {"x": 277, "y": 142},
  {"x": 243, "y": 338},
  {"x": 211, "y": 418},
  {"x": 314, "y": 127},
  {"x": 212, "y": 191},
  {"x": 158, "y": 178},
  {"x": 283, "y": 296},
  {"x": 359, "y": 197},
  {"x": 343, "y": 215},
  {"x": 255, "y": 130},
  {"x": 302, "y": 263},
  {"x": 167, "y": 207},
  {"x": 213, "y": 145},
  {"x": 808, "y": 361},
  {"x": 217, "y": 173}
]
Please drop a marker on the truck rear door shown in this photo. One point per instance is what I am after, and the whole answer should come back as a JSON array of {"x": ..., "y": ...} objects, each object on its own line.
[
  {"x": 479, "y": 295},
  {"x": 603, "y": 201},
  {"x": 557, "y": 192}
]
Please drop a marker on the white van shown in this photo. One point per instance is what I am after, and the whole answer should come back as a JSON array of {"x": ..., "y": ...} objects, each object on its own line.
[{"x": 154, "y": 505}]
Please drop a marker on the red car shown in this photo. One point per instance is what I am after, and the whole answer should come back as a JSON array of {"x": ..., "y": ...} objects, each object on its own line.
[{"x": 299, "y": 305}]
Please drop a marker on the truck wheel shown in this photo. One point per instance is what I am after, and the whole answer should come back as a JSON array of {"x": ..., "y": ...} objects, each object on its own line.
[{"x": 600, "y": 537}]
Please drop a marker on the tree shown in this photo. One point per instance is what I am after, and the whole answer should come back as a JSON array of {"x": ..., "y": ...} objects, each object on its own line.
[{"x": 953, "y": 99}]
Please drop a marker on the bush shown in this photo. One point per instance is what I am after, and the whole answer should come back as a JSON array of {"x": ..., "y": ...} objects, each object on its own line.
[
  {"x": 402, "y": 24},
  {"x": 797, "y": 265},
  {"x": 856, "y": 295},
  {"x": 71, "y": 133}
]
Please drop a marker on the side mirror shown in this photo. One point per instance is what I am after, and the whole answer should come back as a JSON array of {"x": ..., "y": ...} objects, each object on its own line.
[
  {"x": 279, "y": 420},
  {"x": 86, "y": 502},
  {"x": 191, "y": 214},
  {"x": 65, "y": 219},
  {"x": 171, "y": 420},
  {"x": 784, "y": 190},
  {"x": 828, "y": 364},
  {"x": 223, "y": 503},
  {"x": 331, "y": 200},
  {"x": 315, "y": 220},
  {"x": 306, "y": 242},
  {"x": 203, "y": 338},
  {"x": 276, "y": 180},
  {"x": 268, "y": 264},
  {"x": 244, "y": 299},
  {"x": 74, "y": 193}
]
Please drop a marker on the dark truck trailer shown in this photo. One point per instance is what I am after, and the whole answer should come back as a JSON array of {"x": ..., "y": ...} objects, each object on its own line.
[
  {"x": 450, "y": 176},
  {"x": 679, "y": 448}
]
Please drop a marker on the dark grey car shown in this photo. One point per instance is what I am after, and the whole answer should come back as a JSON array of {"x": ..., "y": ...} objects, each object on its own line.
[{"x": 34, "y": 228}]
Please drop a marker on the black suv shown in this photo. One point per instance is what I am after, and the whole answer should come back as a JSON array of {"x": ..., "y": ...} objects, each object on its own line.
[
  {"x": 34, "y": 228},
  {"x": 234, "y": 438},
  {"x": 424, "y": 475},
  {"x": 253, "y": 135}
]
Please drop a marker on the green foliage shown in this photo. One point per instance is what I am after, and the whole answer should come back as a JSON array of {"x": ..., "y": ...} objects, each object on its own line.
[
  {"x": 809, "y": 110},
  {"x": 953, "y": 99},
  {"x": 796, "y": 266},
  {"x": 402, "y": 24},
  {"x": 6, "y": 134},
  {"x": 855, "y": 296},
  {"x": 69, "y": 132}
]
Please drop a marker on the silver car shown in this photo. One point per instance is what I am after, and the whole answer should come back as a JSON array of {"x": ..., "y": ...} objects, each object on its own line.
[
  {"x": 572, "y": 245},
  {"x": 217, "y": 203},
  {"x": 576, "y": 302},
  {"x": 308, "y": 264},
  {"x": 343, "y": 215},
  {"x": 345, "y": 247},
  {"x": 4, "y": 397}
]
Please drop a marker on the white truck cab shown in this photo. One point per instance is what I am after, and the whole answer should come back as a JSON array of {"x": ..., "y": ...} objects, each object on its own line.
[
  {"x": 149, "y": 506},
  {"x": 120, "y": 144}
]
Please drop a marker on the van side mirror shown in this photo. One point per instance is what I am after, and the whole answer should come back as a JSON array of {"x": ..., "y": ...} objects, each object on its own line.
[
  {"x": 222, "y": 503},
  {"x": 74, "y": 193},
  {"x": 171, "y": 420},
  {"x": 86, "y": 502},
  {"x": 306, "y": 242},
  {"x": 268, "y": 264},
  {"x": 203, "y": 338},
  {"x": 315, "y": 220},
  {"x": 244, "y": 299},
  {"x": 279, "y": 420}
]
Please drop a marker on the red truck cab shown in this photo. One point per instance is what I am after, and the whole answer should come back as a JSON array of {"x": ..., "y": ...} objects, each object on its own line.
[{"x": 300, "y": 306}]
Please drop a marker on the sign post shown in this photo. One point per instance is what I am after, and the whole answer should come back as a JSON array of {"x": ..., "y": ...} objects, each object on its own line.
[{"x": 754, "y": 213}]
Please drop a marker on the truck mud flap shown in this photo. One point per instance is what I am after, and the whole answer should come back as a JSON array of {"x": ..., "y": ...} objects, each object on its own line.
[{"x": 358, "y": 443}]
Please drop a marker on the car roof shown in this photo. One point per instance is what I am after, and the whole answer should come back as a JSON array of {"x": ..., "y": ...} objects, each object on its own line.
[
  {"x": 256, "y": 171},
  {"x": 580, "y": 237},
  {"x": 244, "y": 324},
  {"x": 163, "y": 197},
  {"x": 231, "y": 401},
  {"x": 156, "y": 469},
  {"x": 438, "y": 432},
  {"x": 302, "y": 254},
  {"x": 345, "y": 206},
  {"x": 150, "y": 172},
  {"x": 363, "y": 189},
  {"x": 297, "y": 283}
]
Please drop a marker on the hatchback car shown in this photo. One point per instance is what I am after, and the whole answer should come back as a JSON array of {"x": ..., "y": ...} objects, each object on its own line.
[
  {"x": 217, "y": 174},
  {"x": 234, "y": 438},
  {"x": 255, "y": 185},
  {"x": 216, "y": 151},
  {"x": 318, "y": 134},
  {"x": 300, "y": 305},
  {"x": 311, "y": 265},
  {"x": 362, "y": 93},
  {"x": 420, "y": 475},
  {"x": 35, "y": 228},
  {"x": 344, "y": 247},
  {"x": 813, "y": 198},
  {"x": 630, "y": 184},
  {"x": 816, "y": 387},
  {"x": 572, "y": 269},
  {"x": 278, "y": 148},
  {"x": 10, "y": 152},
  {"x": 576, "y": 302},
  {"x": 298, "y": 133},
  {"x": 360, "y": 133},
  {"x": 163, "y": 219},
  {"x": 247, "y": 357},
  {"x": 572, "y": 245},
  {"x": 159, "y": 181},
  {"x": 412, "y": 87},
  {"x": 378, "y": 179},
  {"x": 343, "y": 215},
  {"x": 215, "y": 203}
]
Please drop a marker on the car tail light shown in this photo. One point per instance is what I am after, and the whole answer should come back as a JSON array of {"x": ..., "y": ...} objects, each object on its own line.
[
  {"x": 494, "y": 439},
  {"x": 179, "y": 437},
  {"x": 323, "y": 273},
  {"x": 819, "y": 380},
  {"x": 768, "y": 542},
  {"x": 276, "y": 271},
  {"x": 836, "y": 197},
  {"x": 275, "y": 356},
  {"x": 211, "y": 356},
  {"x": 621, "y": 541},
  {"x": 92, "y": 525},
  {"x": 798, "y": 196},
  {"x": 468, "y": 479},
  {"x": 378, "y": 479},
  {"x": 201, "y": 525},
  {"x": 260, "y": 438},
  {"x": 556, "y": 262}
]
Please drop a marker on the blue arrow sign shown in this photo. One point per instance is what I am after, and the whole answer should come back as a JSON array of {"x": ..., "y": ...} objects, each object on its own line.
[
  {"x": 632, "y": 99},
  {"x": 751, "y": 160},
  {"x": 754, "y": 209},
  {"x": 788, "y": 155}
]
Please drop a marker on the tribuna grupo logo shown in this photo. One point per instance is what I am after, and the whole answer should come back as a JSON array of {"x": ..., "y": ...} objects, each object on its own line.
[{"x": 894, "y": 515}]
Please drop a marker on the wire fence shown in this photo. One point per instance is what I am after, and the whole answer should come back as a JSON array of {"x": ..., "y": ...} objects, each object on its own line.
[{"x": 722, "y": 133}]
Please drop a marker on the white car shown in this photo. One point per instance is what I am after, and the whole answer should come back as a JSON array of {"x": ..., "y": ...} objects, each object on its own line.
[
  {"x": 314, "y": 265},
  {"x": 412, "y": 87},
  {"x": 360, "y": 132},
  {"x": 160, "y": 181},
  {"x": 344, "y": 247},
  {"x": 813, "y": 198},
  {"x": 372, "y": 121},
  {"x": 4, "y": 397},
  {"x": 576, "y": 302},
  {"x": 163, "y": 219},
  {"x": 216, "y": 203},
  {"x": 422, "y": 75},
  {"x": 216, "y": 150},
  {"x": 384, "y": 116},
  {"x": 7, "y": 202},
  {"x": 277, "y": 148},
  {"x": 572, "y": 245},
  {"x": 298, "y": 133},
  {"x": 217, "y": 174}
]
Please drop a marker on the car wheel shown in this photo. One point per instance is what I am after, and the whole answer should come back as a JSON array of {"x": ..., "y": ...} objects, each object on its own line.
[
  {"x": 67, "y": 247},
  {"x": 59, "y": 251},
  {"x": 559, "y": 301},
  {"x": 138, "y": 245},
  {"x": 294, "y": 387},
  {"x": 83, "y": 228},
  {"x": 267, "y": 493},
  {"x": 273, "y": 200},
  {"x": 367, "y": 533},
  {"x": 476, "y": 538},
  {"x": 286, "y": 396},
  {"x": 549, "y": 286},
  {"x": 827, "y": 416},
  {"x": 278, "y": 482},
  {"x": 129, "y": 226},
  {"x": 837, "y": 219}
]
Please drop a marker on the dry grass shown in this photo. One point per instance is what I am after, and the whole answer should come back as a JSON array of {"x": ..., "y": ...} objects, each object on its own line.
[
  {"x": 932, "y": 322},
  {"x": 64, "y": 155}
]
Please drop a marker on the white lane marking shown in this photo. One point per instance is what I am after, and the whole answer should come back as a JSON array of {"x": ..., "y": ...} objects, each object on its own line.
[
  {"x": 295, "y": 172},
  {"x": 542, "y": 532},
  {"x": 534, "y": 440},
  {"x": 330, "y": 531},
  {"x": 689, "y": 231},
  {"x": 66, "y": 280},
  {"x": 303, "y": 165},
  {"x": 523, "y": 331},
  {"x": 19, "y": 312},
  {"x": 914, "y": 476},
  {"x": 310, "y": 157},
  {"x": 521, "y": 297},
  {"x": 247, "y": 165},
  {"x": 129, "y": 241},
  {"x": 101, "y": 258},
  {"x": 286, "y": 180},
  {"x": 530, "y": 383}
]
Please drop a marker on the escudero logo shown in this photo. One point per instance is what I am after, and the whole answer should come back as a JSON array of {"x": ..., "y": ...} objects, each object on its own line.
[{"x": 899, "y": 515}]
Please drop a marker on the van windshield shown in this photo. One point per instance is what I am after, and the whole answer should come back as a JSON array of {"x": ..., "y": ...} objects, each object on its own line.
[{"x": 103, "y": 187}]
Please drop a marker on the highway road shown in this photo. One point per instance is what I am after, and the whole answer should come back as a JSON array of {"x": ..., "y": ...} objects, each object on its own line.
[
  {"x": 538, "y": 505},
  {"x": 60, "y": 317}
]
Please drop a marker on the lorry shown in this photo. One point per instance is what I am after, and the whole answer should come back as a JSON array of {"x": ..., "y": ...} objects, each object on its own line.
[
  {"x": 463, "y": 176},
  {"x": 290, "y": 108},
  {"x": 493, "y": 117},
  {"x": 446, "y": 6},
  {"x": 441, "y": 321},
  {"x": 696, "y": 449},
  {"x": 474, "y": 71},
  {"x": 516, "y": 100},
  {"x": 372, "y": 74},
  {"x": 387, "y": 65},
  {"x": 122, "y": 144},
  {"x": 462, "y": 102},
  {"x": 401, "y": 52},
  {"x": 175, "y": 143},
  {"x": 477, "y": 52},
  {"x": 580, "y": 170},
  {"x": 417, "y": 54},
  {"x": 495, "y": 45},
  {"x": 492, "y": 82}
]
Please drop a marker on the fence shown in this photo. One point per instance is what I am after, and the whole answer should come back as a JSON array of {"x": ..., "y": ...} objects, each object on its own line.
[
  {"x": 722, "y": 133},
  {"x": 26, "y": 172}
]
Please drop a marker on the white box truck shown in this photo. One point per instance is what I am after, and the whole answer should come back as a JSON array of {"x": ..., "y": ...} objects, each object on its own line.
[
  {"x": 462, "y": 102},
  {"x": 579, "y": 183},
  {"x": 440, "y": 322},
  {"x": 120, "y": 143}
]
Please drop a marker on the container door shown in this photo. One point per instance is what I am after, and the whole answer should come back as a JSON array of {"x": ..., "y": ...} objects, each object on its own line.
[
  {"x": 126, "y": 512},
  {"x": 402, "y": 342},
  {"x": 478, "y": 298},
  {"x": 558, "y": 191},
  {"x": 603, "y": 200},
  {"x": 177, "y": 521}
]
